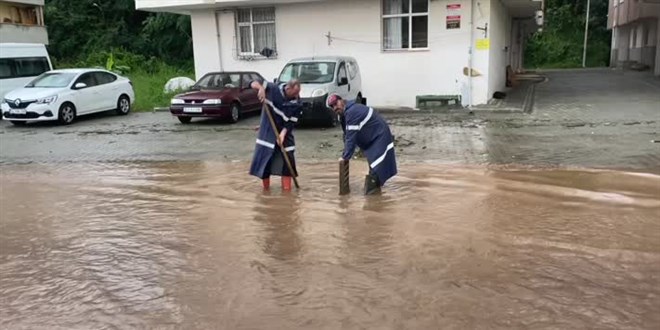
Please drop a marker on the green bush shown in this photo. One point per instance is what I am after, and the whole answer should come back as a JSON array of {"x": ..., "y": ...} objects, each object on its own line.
[
  {"x": 560, "y": 45},
  {"x": 149, "y": 88},
  {"x": 148, "y": 75}
]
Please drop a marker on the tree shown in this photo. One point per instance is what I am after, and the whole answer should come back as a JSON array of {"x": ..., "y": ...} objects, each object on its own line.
[
  {"x": 79, "y": 28},
  {"x": 560, "y": 44}
]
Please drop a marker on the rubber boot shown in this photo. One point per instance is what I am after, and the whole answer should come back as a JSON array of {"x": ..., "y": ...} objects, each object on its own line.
[
  {"x": 266, "y": 183},
  {"x": 286, "y": 183},
  {"x": 371, "y": 185}
]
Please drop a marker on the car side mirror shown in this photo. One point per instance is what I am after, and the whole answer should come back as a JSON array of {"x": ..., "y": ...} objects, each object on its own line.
[
  {"x": 343, "y": 81},
  {"x": 80, "y": 85},
  {"x": 275, "y": 80}
]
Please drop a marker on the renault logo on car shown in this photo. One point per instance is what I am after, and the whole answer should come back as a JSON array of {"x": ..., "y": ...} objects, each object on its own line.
[{"x": 17, "y": 102}]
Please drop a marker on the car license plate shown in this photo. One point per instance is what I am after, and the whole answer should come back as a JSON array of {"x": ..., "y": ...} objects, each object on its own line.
[
  {"x": 192, "y": 110},
  {"x": 18, "y": 111}
]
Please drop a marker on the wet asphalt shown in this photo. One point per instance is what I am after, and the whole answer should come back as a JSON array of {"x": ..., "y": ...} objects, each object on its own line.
[{"x": 593, "y": 118}]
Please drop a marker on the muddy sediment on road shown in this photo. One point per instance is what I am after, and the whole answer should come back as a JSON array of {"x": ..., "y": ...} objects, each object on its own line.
[{"x": 198, "y": 245}]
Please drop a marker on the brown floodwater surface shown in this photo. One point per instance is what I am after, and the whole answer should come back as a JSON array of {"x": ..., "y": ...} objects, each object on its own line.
[{"x": 198, "y": 245}]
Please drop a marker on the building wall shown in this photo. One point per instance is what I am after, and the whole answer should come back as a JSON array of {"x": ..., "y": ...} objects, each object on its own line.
[
  {"x": 636, "y": 33},
  {"x": 389, "y": 78},
  {"x": 23, "y": 34},
  {"x": 623, "y": 34},
  {"x": 206, "y": 47},
  {"x": 648, "y": 43},
  {"x": 22, "y": 21},
  {"x": 635, "y": 53},
  {"x": 29, "y": 2},
  {"x": 636, "y": 42},
  {"x": 520, "y": 30},
  {"x": 500, "y": 35}
]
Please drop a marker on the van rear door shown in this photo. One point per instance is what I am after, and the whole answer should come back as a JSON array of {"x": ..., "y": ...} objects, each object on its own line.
[{"x": 20, "y": 64}]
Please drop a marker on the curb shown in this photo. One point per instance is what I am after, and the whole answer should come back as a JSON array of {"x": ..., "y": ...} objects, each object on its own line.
[
  {"x": 160, "y": 109},
  {"x": 528, "y": 104},
  {"x": 407, "y": 110}
]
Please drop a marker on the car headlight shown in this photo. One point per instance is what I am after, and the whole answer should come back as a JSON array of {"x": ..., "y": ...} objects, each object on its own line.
[
  {"x": 47, "y": 100},
  {"x": 318, "y": 92},
  {"x": 177, "y": 101},
  {"x": 213, "y": 101}
]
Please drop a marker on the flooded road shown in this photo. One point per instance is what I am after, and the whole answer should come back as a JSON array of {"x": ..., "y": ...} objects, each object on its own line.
[{"x": 197, "y": 245}]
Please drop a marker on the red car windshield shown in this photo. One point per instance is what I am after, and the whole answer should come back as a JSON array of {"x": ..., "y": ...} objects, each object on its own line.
[{"x": 219, "y": 81}]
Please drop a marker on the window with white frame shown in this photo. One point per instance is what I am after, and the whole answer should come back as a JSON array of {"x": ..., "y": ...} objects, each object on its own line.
[
  {"x": 405, "y": 24},
  {"x": 256, "y": 30}
]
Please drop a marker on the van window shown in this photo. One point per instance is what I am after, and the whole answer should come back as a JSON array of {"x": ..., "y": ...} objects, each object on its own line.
[
  {"x": 23, "y": 67},
  {"x": 5, "y": 68},
  {"x": 309, "y": 73},
  {"x": 342, "y": 73}
]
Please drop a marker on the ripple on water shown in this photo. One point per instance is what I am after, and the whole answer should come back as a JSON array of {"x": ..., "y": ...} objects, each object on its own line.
[{"x": 200, "y": 245}]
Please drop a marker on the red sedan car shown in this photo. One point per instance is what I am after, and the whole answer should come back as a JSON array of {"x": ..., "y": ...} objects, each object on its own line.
[{"x": 225, "y": 95}]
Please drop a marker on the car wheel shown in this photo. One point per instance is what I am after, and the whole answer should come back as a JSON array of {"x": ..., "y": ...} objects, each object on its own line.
[
  {"x": 235, "y": 113},
  {"x": 184, "y": 120},
  {"x": 67, "y": 114},
  {"x": 19, "y": 123},
  {"x": 123, "y": 105}
]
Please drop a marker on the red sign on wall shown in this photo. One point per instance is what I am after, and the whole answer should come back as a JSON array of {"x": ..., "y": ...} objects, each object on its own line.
[
  {"x": 453, "y": 22},
  {"x": 453, "y": 16}
]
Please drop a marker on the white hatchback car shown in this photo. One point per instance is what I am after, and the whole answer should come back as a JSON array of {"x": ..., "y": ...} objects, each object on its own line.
[{"x": 63, "y": 95}]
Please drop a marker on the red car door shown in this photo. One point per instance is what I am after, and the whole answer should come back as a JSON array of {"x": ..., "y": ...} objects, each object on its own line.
[{"x": 248, "y": 96}]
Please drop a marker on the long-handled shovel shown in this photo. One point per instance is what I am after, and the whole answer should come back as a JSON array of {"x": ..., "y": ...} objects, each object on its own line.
[{"x": 277, "y": 134}]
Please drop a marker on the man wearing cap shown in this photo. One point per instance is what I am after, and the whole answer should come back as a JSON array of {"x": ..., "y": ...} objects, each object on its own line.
[
  {"x": 366, "y": 129},
  {"x": 284, "y": 104}
]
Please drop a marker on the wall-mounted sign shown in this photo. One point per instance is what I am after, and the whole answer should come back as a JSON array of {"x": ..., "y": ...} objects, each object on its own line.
[
  {"x": 453, "y": 16},
  {"x": 453, "y": 22},
  {"x": 483, "y": 44},
  {"x": 453, "y": 7}
]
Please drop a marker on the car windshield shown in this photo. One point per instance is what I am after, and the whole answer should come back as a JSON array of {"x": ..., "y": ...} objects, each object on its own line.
[
  {"x": 219, "y": 81},
  {"x": 52, "y": 80},
  {"x": 309, "y": 72}
]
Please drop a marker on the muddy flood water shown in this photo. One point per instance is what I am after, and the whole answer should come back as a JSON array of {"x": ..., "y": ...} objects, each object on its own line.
[{"x": 197, "y": 245}]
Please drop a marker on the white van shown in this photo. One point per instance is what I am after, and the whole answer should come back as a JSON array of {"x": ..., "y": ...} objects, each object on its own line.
[
  {"x": 20, "y": 64},
  {"x": 320, "y": 77}
]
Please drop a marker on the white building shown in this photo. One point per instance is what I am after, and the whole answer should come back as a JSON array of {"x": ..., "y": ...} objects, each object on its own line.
[
  {"x": 22, "y": 21},
  {"x": 404, "y": 48},
  {"x": 635, "y": 28}
]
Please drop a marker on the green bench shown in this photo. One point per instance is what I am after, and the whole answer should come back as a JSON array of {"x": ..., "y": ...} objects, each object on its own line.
[{"x": 423, "y": 100}]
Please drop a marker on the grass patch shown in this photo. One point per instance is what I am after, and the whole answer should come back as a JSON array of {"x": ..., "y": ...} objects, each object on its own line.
[{"x": 149, "y": 87}]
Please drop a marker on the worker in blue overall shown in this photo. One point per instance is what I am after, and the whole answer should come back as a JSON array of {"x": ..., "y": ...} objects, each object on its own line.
[
  {"x": 365, "y": 128},
  {"x": 283, "y": 101}
]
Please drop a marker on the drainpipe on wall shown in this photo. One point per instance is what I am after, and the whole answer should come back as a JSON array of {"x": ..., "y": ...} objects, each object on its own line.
[
  {"x": 470, "y": 53},
  {"x": 217, "y": 35}
]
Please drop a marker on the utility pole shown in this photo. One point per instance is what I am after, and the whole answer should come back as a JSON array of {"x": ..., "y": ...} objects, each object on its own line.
[{"x": 586, "y": 34}]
